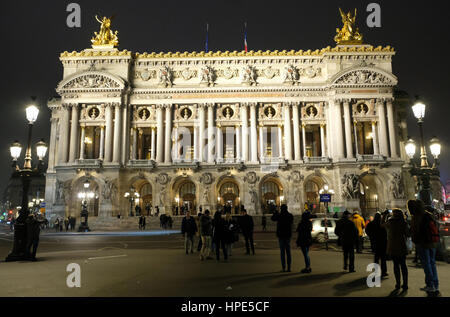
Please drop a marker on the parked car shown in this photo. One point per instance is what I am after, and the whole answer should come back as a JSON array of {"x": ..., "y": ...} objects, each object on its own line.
[
  {"x": 444, "y": 245},
  {"x": 318, "y": 230}
]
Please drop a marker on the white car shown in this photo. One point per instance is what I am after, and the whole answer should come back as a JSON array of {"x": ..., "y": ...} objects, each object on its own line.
[{"x": 318, "y": 229}]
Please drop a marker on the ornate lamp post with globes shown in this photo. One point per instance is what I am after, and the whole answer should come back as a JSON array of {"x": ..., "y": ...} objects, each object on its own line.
[
  {"x": 422, "y": 170},
  {"x": 132, "y": 196},
  {"x": 325, "y": 197},
  {"x": 19, "y": 251}
]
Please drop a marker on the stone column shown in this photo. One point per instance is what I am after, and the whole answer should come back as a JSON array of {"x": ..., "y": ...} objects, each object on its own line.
[
  {"x": 108, "y": 134},
  {"x": 382, "y": 128},
  {"x": 176, "y": 152},
  {"x": 287, "y": 133},
  {"x": 63, "y": 145},
  {"x": 52, "y": 144},
  {"x": 74, "y": 134},
  {"x": 392, "y": 131},
  {"x": 117, "y": 128},
  {"x": 168, "y": 134},
  {"x": 102, "y": 143},
  {"x": 261, "y": 143},
  {"x": 253, "y": 136},
  {"x": 375, "y": 138},
  {"x": 297, "y": 151},
  {"x": 339, "y": 133},
  {"x": 304, "y": 139},
  {"x": 153, "y": 151},
  {"x": 159, "y": 134},
  {"x": 219, "y": 145},
  {"x": 322, "y": 140},
  {"x": 211, "y": 133},
  {"x": 355, "y": 131},
  {"x": 195, "y": 143},
  {"x": 125, "y": 136},
  {"x": 201, "y": 134},
  {"x": 238, "y": 143},
  {"x": 134, "y": 146},
  {"x": 244, "y": 118},
  {"x": 82, "y": 144},
  {"x": 280, "y": 142},
  {"x": 348, "y": 130}
]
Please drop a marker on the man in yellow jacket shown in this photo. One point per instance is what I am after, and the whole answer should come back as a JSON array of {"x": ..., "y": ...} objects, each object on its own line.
[{"x": 360, "y": 225}]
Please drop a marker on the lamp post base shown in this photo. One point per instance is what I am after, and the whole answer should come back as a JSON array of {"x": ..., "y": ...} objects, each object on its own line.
[
  {"x": 83, "y": 228},
  {"x": 19, "y": 248}
]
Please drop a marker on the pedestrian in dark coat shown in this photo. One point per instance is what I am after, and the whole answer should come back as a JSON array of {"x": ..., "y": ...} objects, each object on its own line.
[
  {"x": 397, "y": 233},
  {"x": 33, "y": 225},
  {"x": 304, "y": 239},
  {"x": 219, "y": 235},
  {"x": 264, "y": 223},
  {"x": 284, "y": 221},
  {"x": 188, "y": 229},
  {"x": 205, "y": 230},
  {"x": 199, "y": 246},
  {"x": 347, "y": 237},
  {"x": 231, "y": 231},
  {"x": 246, "y": 225},
  {"x": 378, "y": 237}
]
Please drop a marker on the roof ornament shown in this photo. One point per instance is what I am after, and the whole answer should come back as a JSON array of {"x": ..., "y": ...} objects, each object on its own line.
[
  {"x": 349, "y": 34},
  {"x": 106, "y": 38}
]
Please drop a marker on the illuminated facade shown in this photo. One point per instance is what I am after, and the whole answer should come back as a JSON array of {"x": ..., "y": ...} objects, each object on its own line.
[{"x": 217, "y": 128}]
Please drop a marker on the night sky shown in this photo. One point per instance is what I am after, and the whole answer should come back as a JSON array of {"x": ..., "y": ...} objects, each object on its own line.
[{"x": 34, "y": 33}]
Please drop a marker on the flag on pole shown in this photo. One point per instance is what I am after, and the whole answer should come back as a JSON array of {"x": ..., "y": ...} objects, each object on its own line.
[
  {"x": 245, "y": 37},
  {"x": 206, "y": 43}
]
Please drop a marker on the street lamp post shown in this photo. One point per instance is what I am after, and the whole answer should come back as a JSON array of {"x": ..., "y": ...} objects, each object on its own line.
[
  {"x": 132, "y": 195},
  {"x": 423, "y": 171},
  {"x": 19, "y": 251},
  {"x": 325, "y": 196}
]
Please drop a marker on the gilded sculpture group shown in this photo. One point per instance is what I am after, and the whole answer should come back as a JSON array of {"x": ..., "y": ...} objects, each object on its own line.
[{"x": 347, "y": 35}]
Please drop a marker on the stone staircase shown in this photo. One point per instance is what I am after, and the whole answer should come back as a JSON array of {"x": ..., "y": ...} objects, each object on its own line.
[{"x": 153, "y": 223}]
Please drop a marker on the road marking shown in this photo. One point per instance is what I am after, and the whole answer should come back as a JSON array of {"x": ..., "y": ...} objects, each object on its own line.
[{"x": 107, "y": 257}]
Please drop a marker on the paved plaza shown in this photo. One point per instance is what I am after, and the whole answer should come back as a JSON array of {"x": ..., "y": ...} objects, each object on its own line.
[{"x": 153, "y": 263}]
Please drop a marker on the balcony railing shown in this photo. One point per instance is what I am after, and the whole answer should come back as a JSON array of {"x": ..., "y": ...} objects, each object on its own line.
[
  {"x": 316, "y": 160},
  {"x": 370, "y": 158},
  {"x": 89, "y": 162}
]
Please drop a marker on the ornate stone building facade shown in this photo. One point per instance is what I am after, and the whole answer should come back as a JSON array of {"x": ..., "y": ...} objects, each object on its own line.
[{"x": 209, "y": 129}]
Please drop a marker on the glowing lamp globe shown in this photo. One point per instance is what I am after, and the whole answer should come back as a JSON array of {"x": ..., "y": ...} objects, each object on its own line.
[
  {"x": 15, "y": 150},
  {"x": 41, "y": 149},
  {"x": 410, "y": 148},
  {"x": 435, "y": 147},
  {"x": 32, "y": 113},
  {"x": 419, "y": 110}
]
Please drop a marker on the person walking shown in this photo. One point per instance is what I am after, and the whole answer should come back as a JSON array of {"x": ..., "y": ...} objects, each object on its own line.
[
  {"x": 284, "y": 220},
  {"x": 199, "y": 246},
  {"x": 246, "y": 224},
  {"x": 360, "y": 225},
  {"x": 397, "y": 233},
  {"x": 264, "y": 223},
  {"x": 188, "y": 229},
  {"x": 66, "y": 224},
  {"x": 425, "y": 236},
  {"x": 205, "y": 233},
  {"x": 140, "y": 222},
  {"x": 304, "y": 239},
  {"x": 378, "y": 241},
  {"x": 230, "y": 232},
  {"x": 219, "y": 235},
  {"x": 347, "y": 236},
  {"x": 144, "y": 222}
]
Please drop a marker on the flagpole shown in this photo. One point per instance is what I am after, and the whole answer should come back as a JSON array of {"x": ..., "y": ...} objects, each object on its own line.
[
  {"x": 206, "y": 43},
  {"x": 245, "y": 37}
]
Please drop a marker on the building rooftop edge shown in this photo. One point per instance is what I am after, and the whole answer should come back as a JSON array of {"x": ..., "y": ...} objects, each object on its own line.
[{"x": 259, "y": 53}]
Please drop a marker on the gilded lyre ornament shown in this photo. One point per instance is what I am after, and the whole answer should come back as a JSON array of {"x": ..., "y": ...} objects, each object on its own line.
[
  {"x": 106, "y": 37},
  {"x": 349, "y": 34}
]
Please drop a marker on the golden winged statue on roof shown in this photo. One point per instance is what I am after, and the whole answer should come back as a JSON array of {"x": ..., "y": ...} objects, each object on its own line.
[
  {"x": 349, "y": 34},
  {"x": 106, "y": 37}
]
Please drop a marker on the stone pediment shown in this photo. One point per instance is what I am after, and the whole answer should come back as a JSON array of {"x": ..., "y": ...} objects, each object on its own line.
[
  {"x": 364, "y": 77},
  {"x": 91, "y": 80}
]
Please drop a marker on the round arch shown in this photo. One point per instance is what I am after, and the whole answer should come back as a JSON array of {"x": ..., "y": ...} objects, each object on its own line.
[
  {"x": 228, "y": 193},
  {"x": 372, "y": 193},
  {"x": 79, "y": 191},
  {"x": 184, "y": 195},
  {"x": 312, "y": 186},
  {"x": 272, "y": 193},
  {"x": 392, "y": 80}
]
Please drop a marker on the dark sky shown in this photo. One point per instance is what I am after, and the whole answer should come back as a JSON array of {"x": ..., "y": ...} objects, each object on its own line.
[{"x": 33, "y": 33}]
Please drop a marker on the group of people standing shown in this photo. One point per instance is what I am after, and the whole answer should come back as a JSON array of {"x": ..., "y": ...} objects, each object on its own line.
[
  {"x": 389, "y": 234},
  {"x": 217, "y": 233},
  {"x": 68, "y": 224}
]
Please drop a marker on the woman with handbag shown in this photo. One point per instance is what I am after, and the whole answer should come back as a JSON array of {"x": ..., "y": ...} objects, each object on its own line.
[{"x": 304, "y": 239}]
